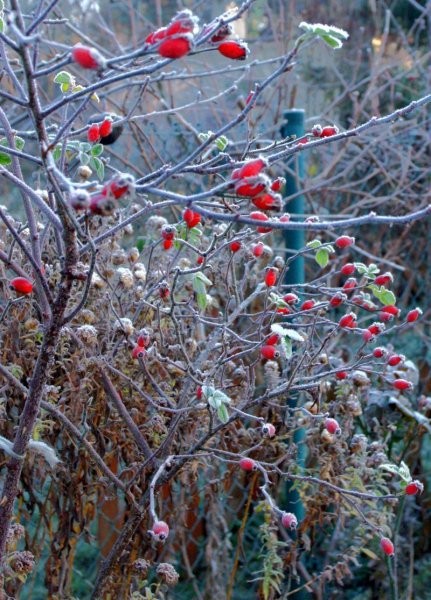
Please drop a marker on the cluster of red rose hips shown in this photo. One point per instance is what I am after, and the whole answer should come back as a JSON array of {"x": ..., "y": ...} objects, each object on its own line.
[
  {"x": 174, "y": 41},
  {"x": 105, "y": 201},
  {"x": 97, "y": 131}
]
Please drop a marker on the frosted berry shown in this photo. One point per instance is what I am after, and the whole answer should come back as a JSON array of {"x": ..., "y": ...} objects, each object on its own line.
[
  {"x": 328, "y": 131},
  {"x": 144, "y": 338},
  {"x": 414, "y": 487},
  {"x": 273, "y": 339},
  {"x": 105, "y": 127},
  {"x": 267, "y": 201},
  {"x": 391, "y": 310},
  {"x": 168, "y": 232},
  {"x": 235, "y": 246},
  {"x": 379, "y": 352},
  {"x": 396, "y": 359},
  {"x": 138, "y": 352},
  {"x": 277, "y": 184},
  {"x": 337, "y": 299},
  {"x": 251, "y": 186},
  {"x": 413, "y": 315},
  {"x": 269, "y": 352},
  {"x": 291, "y": 298},
  {"x": 341, "y": 375},
  {"x": 332, "y": 426},
  {"x": 387, "y": 546},
  {"x": 93, "y": 133},
  {"x": 175, "y": 47},
  {"x": 257, "y": 249},
  {"x": 191, "y": 218},
  {"x": 384, "y": 279},
  {"x": 350, "y": 284},
  {"x": 260, "y": 216},
  {"x": 289, "y": 521},
  {"x": 156, "y": 36},
  {"x": 236, "y": 50},
  {"x": 252, "y": 167},
  {"x": 168, "y": 244},
  {"x": 402, "y": 384},
  {"x": 348, "y": 321},
  {"x": 348, "y": 269},
  {"x": 160, "y": 531},
  {"x": 271, "y": 276},
  {"x": 308, "y": 304},
  {"x": 87, "y": 57},
  {"x": 247, "y": 464},
  {"x": 344, "y": 241},
  {"x": 21, "y": 285}
]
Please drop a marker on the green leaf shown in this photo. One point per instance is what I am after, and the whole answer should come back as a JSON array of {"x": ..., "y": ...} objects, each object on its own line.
[
  {"x": 385, "y": 296},
  {"x": 202, "y": 301},
  {"x": 222, "y": 413},
  {"x": 286, "y": 347},
  {"x": 324, "y": 31},
  {"x": 2, "y": 28},
  {"x": 201, "y": 277},
  {"x": 331, "y": 41},
  {"x": 314, "y": 244},
  {"x": 96, "y": 150},
  {"x": 56, "y": 153},
  {"x": 285, "y": 332},
  {"x": 64, "y": 77},
  {"x": 140, "y": 244},
  {"x": 83, "y": 158},
  {"x": 277, "y": 300},
  {"x": 64, "y": 87},
  {"x": 5, "y": 159},
  {"x": 19, "y": 142},
  {"x": 85, "y": 147},
  {"x": 390, "y": 467},
  {"x": 221, "y": 143},
  {"x": 98, "y": 166},
  {"x": 404, "y": 472},
  {"x": 221, "y": 397},
  {"x": 322, "y": 257}
]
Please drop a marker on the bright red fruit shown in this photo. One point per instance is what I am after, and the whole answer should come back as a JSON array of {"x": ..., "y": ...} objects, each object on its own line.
[
  {"x": 144, "y": 338},
  {"x": 277, "y": 184},
  {"x": 247, "y": 464},
  {"x": 376, "y": 328},
  {"x": 332, "y": 426},
  {"x": 168, "y": 232},
  {"x": 156, "y": 36},
  {"x": 117, "y": 187},
  {"x": 344, "y": 241},
  {"x": 160, "y": 531},
  {"x": 236, "y": 50},
  {"x": 176, "y": 47},
  {"x": 384, "y": 279},
  {"x": 267, "y": 201},
  {"x": 402, "y": 384},
  {"x": 257, "y": 249},
  {"x": 167, "y": 244},
  {"x": 396, "y": 359},
  {"x": 350, "y": 284},
  {"x": 252, "y": 167},
  {"x": 379, "y": 352},
  {"x": 269, "y": 352},
  {"x": 291, "y": 298},
  {"x": 271, "y": 276},
  {"x": 251, "y": 186},
  {"x": 348, "y": 321},
  {"x": 337, "y": 299},
  {"x": 392, "y": 310},
  {"x": 367, "y": 336},
  {"x": 21, "y": 285},
  {"x": 308, "y": 304},
  {"x": 105, "y": 127},
  {"x": 138, "y": 352},
  {"x": 348, "y": 269},
  {"x": 414, "y": 487},
  {"x": 191, "y": 218},
  {"x": 341, "y": 375},
  {"x": 87, "y": 57},
  {"x": 260, "y": 216},
  {"x": 235, "y": 246},
  {"x": 413, "y": 315},
  {"x": 224, "y": 32},
  {"x": 289, "y": 521},
  {"x": 328, "y": 130},
  {"x": 93, "y": 133},
  {"x": 273, "y": 339},
  {"x": 387, "y": 546}
]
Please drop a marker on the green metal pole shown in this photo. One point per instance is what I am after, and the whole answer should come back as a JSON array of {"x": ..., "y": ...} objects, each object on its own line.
[{"x": 294, "y": 241}]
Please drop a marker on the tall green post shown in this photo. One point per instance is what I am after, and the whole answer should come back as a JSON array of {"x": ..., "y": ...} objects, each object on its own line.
[{"x": 294, "y": 241}]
